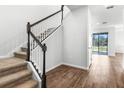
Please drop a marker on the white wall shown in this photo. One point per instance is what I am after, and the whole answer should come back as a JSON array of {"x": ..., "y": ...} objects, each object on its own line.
[
  {"x": 13, "y": 20},
  {"x": 53, "y": 53},
  {"x": 75, "y": 37},
  {"x": 111, "y": 38},
  {"x": 119, "y": 39}
]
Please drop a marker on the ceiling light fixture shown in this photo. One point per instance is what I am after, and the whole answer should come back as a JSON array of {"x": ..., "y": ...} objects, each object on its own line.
[
  {"x": 104, "y": 22},
  {"x": 109, "y": 6}
]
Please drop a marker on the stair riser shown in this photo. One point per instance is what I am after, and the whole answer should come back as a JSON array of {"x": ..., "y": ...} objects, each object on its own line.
[
  {"x": 13, "y": 70},
  {"x": 20, "y": 56},
  {"x": 29, "y": 86},
  {"x": 22, "y": 80},
  {"x": 17, "y": 81},
  {"x": 24, "y": 49}
]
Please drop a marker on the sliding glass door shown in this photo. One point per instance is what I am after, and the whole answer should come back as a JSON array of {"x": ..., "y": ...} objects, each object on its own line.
[{"x": 100, "y": 43}]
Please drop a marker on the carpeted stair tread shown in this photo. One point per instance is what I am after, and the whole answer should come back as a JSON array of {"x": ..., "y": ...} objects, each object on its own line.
[
  {"x": 7, "y": 64},
  {"x": 28, "y": 84},
  {"x": 20, "y": 54},
  {"x": 8, "y": 79}
]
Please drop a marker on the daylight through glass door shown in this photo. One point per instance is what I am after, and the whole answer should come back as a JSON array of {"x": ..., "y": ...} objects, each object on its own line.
[{"x": 100, "y": 43}]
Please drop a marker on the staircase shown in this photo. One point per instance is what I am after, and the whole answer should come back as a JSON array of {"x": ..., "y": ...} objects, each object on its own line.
[{"x": 14, "y": 72}]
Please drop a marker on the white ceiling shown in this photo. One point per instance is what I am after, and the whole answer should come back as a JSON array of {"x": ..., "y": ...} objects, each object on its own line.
[
  {"x": 113, "y": 16},
  {"x": 73, "y": 7},
  {"x": 100, "y": 14}
]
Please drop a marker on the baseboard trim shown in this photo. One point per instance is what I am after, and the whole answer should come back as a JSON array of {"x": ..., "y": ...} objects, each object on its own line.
[
  {"x": 47, "y": 70},
  {"x": 3, "y": 57},
  {"x": 80, "y": 67}
]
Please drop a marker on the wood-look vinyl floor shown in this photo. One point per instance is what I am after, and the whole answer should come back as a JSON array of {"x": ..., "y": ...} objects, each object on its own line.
[{"x": 105, "y": 72}]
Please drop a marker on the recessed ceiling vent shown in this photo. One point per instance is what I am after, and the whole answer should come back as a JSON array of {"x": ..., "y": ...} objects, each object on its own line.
[{"x": 110, "y": 7}]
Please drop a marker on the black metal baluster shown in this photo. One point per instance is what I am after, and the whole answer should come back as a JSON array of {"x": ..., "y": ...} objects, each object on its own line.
[
  {"x": 38, "y": 37},
  {"x": 38, "y": 57},
  {"x": 33, "y": 43},
  {"x": 45, "y": 34},
  {"x": 41, "y": 37},
  {"x": 31, "y": 50},
  {"x": 28, "y": 44}
]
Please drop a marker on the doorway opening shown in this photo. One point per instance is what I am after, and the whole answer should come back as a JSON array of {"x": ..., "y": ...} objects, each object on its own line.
[{"x": 100, "y": 43}]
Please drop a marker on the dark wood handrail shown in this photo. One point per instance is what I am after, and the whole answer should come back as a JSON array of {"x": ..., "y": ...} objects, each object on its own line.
[{"x": 45, "y": 18}]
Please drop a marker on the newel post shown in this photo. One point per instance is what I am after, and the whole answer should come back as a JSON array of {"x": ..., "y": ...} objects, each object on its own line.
[
  {"x": 28, "y": 43},
  {"x": 44, "y": 49},
  {"x": 62, "y": 9}
]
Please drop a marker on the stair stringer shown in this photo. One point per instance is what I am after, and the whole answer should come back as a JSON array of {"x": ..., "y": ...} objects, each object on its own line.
[{"x": 35, "y": 75}]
